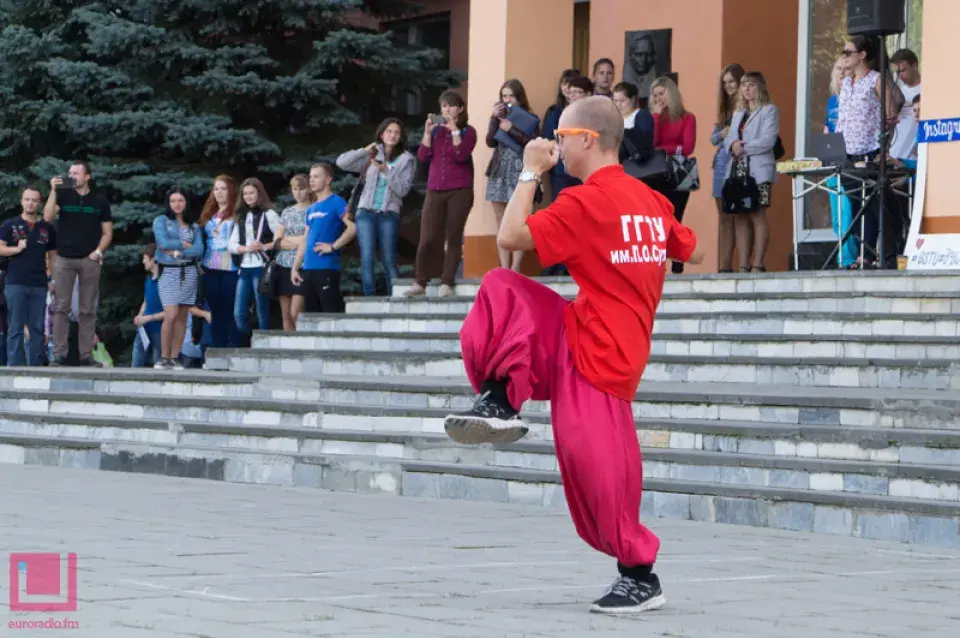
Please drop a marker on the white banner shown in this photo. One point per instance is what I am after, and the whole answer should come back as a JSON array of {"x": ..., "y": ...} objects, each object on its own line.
[{"x": 925, "y": 251}]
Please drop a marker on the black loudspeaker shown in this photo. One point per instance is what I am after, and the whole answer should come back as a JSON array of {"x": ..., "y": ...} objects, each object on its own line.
[{"x": 875, "y": 17}]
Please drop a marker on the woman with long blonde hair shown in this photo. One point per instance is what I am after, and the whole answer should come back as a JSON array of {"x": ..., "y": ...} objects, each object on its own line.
[
  {"x": 752, "y": 137},
  {"x": 839, "y": 204},
  {"x": 675, "y": 132},
  {"x": 219, "y": 270},
  {"x": 727, "y": 98}
]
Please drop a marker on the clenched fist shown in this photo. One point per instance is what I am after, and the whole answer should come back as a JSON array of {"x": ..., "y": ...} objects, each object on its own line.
[{"x": 541, "y": 155}]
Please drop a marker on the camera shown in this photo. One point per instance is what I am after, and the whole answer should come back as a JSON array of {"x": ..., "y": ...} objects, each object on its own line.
[
  {"x": 68, "y": 182},
  {"x": 439, "y": 120}
]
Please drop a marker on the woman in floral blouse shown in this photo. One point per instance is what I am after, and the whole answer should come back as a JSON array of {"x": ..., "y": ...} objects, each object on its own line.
[{"x": 293, "y": 219}]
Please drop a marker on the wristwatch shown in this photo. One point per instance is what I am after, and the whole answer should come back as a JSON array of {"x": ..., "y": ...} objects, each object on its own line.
[{"x": 529, "y": 176}]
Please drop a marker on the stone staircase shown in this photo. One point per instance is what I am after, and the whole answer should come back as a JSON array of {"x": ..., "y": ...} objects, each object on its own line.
[{"x": 808, "y": 401}]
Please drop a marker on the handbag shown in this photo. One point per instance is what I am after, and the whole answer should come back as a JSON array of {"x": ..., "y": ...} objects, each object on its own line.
[
  {"x": 268, "y": 277},
  {"x": 686, "y": 173},
  {"x": 741, "y": 194},
  {"x": 642, "y": 161},
  {"x": 524, "y": 121},
  {"x": 354, "y": 200},
  {"x": 778, "y": 150}
]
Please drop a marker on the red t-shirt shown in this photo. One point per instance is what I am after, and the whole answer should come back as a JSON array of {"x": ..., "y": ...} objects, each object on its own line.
[{"x": 614, "y": 234}]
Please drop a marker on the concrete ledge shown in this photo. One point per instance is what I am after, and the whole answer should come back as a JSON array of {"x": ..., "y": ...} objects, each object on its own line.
[
  {"x": 932, "y": 473},
  {"x": 757, "y": 493},
  {"x": 865, "y": 437},
  {"x": 418, "y": 357},
  {"x": 752, "y": 277},
  {"x": 29, "y": 440}
]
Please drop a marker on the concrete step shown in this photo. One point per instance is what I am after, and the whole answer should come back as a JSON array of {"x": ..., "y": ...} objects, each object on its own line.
[
  {"x": 881, "y": 301},
  {"x": 419, "y": 405},
  {"x": 443, "y": 342},
  {"x": 922, "y": 521},
  {"x": 738, "y": 344},
  {"x": 781, "y": 282},
  {"x": 418, "y": 415},
  {"x": 716, "y": 401},
  {"x": 935, "y": 374},
  {"x": 772, "y": 322},
  {"x": 922, "y": 481},
  {"x": 396, "y": 403}
]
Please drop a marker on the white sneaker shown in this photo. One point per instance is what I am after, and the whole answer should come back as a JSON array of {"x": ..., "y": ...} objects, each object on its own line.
[
  {"x": 416, "y": 290},
  {"x": 445, "y": 291}
]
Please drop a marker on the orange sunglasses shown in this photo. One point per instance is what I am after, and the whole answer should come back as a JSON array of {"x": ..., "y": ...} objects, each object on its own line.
[{"x": 560, "y": 133}]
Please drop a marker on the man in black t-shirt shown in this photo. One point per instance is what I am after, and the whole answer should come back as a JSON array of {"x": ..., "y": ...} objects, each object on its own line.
[
  {"x": 85, "y": 231},
  {"x": 28, "y": 242}
]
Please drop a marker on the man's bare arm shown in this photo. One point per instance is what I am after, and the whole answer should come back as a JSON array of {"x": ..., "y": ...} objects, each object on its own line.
[
  {"x": 539, "y": 156},
  {"x": 514, "y": 233}
]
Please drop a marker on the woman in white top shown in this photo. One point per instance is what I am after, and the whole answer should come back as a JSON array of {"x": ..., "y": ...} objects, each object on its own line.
[
  {"x": 257, "y": 230},
  {"x": 859, "y": 121}
]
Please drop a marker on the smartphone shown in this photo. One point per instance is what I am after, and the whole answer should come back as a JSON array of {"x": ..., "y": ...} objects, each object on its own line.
[
  {"x": 68, "y": 182},
  {"x": 439, "y": 120}
]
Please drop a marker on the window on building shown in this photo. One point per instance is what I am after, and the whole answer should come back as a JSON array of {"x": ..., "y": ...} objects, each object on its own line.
[
  {"x": 431, "y": 31},
  {"x": 581, "y": 38},
  {"x": 826, "y": 36}
]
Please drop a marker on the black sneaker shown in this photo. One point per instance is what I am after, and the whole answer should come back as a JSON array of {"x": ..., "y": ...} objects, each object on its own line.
[
  {"x": 58, "y": 362},
  {"x": 492, "y": 420},
  {"x": 631, "y": 596},
  {"x": 88, "y": 362}
]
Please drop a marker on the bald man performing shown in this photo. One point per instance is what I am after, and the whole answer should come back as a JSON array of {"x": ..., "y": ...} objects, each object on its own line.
[{"x": 523, "y": 341}]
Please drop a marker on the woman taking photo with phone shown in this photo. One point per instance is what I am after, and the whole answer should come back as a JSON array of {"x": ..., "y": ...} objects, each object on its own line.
[
  {"x": 179, "y": 249},
  {"x": 387, "y": 171},
  {"x": 506, "y": 164},
  {"x": 448, "y": 142}
]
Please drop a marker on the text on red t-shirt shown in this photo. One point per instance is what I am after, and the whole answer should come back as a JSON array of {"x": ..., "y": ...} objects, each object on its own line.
[{"x": 615, "y": 235}]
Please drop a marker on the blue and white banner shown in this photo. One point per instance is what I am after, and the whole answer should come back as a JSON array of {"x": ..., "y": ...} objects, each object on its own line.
[{"x": 931, "y": 131}]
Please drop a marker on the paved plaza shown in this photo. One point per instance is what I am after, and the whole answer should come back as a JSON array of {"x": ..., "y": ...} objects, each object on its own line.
[{"x": 162, "y": 556}]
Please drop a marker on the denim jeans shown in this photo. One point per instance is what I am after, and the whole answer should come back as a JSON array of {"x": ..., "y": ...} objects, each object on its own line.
[
  {"x": 247, "y": 284},
  {"x": 26, "y": 305},
  {"x": 374, "y": 228},
  {"x": 143, "y": 357},
  {"x": 220, "y": 293}
]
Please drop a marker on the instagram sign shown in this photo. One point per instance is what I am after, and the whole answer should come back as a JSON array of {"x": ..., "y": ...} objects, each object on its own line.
[{"x": 43, "y": 582}]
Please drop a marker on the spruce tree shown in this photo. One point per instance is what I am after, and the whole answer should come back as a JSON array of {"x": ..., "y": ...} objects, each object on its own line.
[{"x": 157, "y": 93}]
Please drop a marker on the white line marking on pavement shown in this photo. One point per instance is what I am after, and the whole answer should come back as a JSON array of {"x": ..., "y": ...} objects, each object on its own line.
[
  {"x": 680, "y": 560},
  {"x": 482, "y": 592},
  {"x": 409, "y": 568}
]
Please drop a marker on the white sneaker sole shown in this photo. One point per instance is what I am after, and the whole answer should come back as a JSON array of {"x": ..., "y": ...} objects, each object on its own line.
[
  {"x": 471, "y": 430},
  {"x": 653, "y": 604}
]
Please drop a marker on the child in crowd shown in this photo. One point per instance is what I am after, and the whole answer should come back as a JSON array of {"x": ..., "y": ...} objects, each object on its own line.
[
  {"x": 197, "y": 338},
  {"x": 150, "y": 316}
]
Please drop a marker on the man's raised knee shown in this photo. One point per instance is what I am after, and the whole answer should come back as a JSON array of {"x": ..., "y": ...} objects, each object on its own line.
[{"x": 501, "y": 276}]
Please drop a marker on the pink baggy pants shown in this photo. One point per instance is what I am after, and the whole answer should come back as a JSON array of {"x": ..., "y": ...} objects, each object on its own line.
[{"x": 515, "y": 332}]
